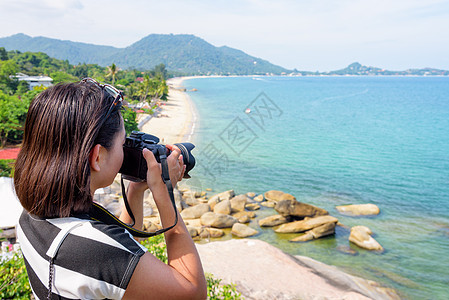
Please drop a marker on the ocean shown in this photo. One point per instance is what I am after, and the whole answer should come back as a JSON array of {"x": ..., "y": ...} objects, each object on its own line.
[{"x": 332, "y": 141}]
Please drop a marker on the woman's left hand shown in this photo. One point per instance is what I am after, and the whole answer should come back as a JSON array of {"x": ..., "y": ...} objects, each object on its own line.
[{"x": 175, "y": 162}]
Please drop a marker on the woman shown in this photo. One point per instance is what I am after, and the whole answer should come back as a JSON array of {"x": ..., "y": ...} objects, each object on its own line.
[{"x": 72, "y": 146}]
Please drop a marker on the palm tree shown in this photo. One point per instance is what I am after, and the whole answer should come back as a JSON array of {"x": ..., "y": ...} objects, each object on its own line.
[{"x": 113, "y": 70}]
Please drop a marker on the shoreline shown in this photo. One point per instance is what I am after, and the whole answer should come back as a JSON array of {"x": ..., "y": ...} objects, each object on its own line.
[{"x": 177, "y": 119}]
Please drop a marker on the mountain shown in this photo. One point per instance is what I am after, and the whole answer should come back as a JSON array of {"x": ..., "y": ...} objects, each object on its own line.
[
  {"x": 359, "y": 69},
  {"x": 182, "y": 53}
]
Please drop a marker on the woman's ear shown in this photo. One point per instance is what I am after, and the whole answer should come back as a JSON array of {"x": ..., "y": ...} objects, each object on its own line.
[{"x": 94, "y": 158}]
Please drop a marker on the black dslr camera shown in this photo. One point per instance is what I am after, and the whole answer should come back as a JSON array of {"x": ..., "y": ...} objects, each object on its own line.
[{"x": 134, "y": 165}]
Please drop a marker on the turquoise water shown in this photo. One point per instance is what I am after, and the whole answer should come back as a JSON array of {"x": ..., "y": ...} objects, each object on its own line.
[{"x": 339, "y": 140}]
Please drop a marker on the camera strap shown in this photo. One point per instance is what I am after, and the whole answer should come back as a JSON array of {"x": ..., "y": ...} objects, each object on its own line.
[{"x": 100, "y": 213}]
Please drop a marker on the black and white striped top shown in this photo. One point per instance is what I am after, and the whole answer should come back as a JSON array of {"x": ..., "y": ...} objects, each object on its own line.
[{"x": 93, "y": 260}]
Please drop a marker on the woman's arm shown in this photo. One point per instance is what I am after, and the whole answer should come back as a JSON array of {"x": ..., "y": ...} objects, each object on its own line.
[
  {"x": 183, "y": 277},
  {"x": 135, "y": 195}
]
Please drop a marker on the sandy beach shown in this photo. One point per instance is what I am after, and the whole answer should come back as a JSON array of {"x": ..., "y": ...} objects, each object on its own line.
[{"x": 176, "y": 119}]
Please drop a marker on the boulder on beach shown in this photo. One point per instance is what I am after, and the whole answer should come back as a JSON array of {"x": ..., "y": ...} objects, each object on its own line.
[
  {"x": 359, "y": 209},
  {"x": 195, "y": 212},
  {"x": 269, "y": 204},
  {"x": 192, "y": 231},
  {"x": 206, "y": 233},
  {"x": 361, "y": 236},
  {"x": 298, "y": 209},
  {"x": 275, "y": 196},
  {"x": 242, "y": 230},
  {"x": 223, "y": 207},
  {"x": 251, "y": 194},
  {"x": 258, "y": 198},
  {"x": 271, "y": 221},
  {"x": 238, "y": 203},
  {"x": 226, "y": 195},
  {"x": 239, "y": 214},
  {"x": 316, "y": 233},
  {"x": 304, "y": 225},
  {"x": 252, "y": 206},
  {"x": 217, "y": 220}
]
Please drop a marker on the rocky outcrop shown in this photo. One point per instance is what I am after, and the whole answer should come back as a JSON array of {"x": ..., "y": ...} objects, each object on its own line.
[
  {"x": 263, "y": 272},
  {"x": 223, "y": 207},
  {"x": 317, "y": 232},
  {"x": 206, "y": 233},
  {"x": 238, "y": 203},
  {"x": 298, "y": 209},
  {"x": 217, "y": 220},
  {"x": 359, "y": 209},
  {"x": 195, "y": 212},
  {"x": 271, "y": 221},
  {"x": 242, "y": 230},
  {"x": 276, "y": 196},
  {"x": 361, "y": 236},
  {"x": 304, "y": 225}
]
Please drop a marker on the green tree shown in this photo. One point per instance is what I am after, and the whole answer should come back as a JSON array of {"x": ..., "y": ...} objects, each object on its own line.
[
  {"x": 129, "y": 117},
  {"x": 112, "y": 72},
  {"x": 3, "y": 54},
  {"x": 12, "y": 117},
  {"x": 60, "y": 77}
]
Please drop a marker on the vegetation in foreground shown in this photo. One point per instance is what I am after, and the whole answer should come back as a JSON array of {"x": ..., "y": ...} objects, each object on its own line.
[{"x": 14, "y": 279}]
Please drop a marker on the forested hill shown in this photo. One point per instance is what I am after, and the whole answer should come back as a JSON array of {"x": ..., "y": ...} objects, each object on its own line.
[{"x": 183, "y": 53}]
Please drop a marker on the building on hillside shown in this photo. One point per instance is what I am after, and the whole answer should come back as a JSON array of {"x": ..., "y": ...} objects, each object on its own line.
[{"x": 34, "y": 80}]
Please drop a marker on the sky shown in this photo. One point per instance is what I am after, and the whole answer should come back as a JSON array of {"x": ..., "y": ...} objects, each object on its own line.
[{"x": 311, "y": 35}]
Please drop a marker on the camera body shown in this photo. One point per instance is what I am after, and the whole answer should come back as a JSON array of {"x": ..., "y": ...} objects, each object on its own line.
[{"x": 134, "y": 165}]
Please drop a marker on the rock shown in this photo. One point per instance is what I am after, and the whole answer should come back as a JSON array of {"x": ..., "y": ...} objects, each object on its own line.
[
  {"x": 346, "y": 250},
  {"x": 240, "y": 214},
  {"x": 213, "y": 202},
  {"x": 194, "y": 223},
  {"x": 361, "y": 236},
  {"x": 324, "y": 230},
  {"x": 244, "y": 219},
  {"x": 227, "y": 195},
  {"x": 258, "y": 198},
  {"x": 209, "y": 190},
  {"x": 252, "y": 206},
  {"x": 251, "y": 194},
  {"x": 276, "y": 196},
  {"x": 304, "y": 225},
  {"x": 217, "y": 220},
  {"x": 262, "y": 271},
  {"x": 298, "y": 209},
  {"x": 202, "y": 200},
  {"x": 190, "y": 200},
  {"x": 359, "y": 209},
  {"x": 316, "y": 233},
  {"x": 308, "y": 236},
  {"x": 207, "y": 233},
  {"x": 238, "y": 203},
  {"x": 195, "y": 212},
  {"x": 269, "y": 204},
  {"x": 271, "y": 221},
  {"x": 223, "y": 207},
  {"x": 242, "y": 230},
  {"x": 149, "y": 226},
  {"x": 192, "y": 231}
]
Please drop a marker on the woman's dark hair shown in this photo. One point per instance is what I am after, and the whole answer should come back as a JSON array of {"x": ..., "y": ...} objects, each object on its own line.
[{"x": 63, "y": 124}]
